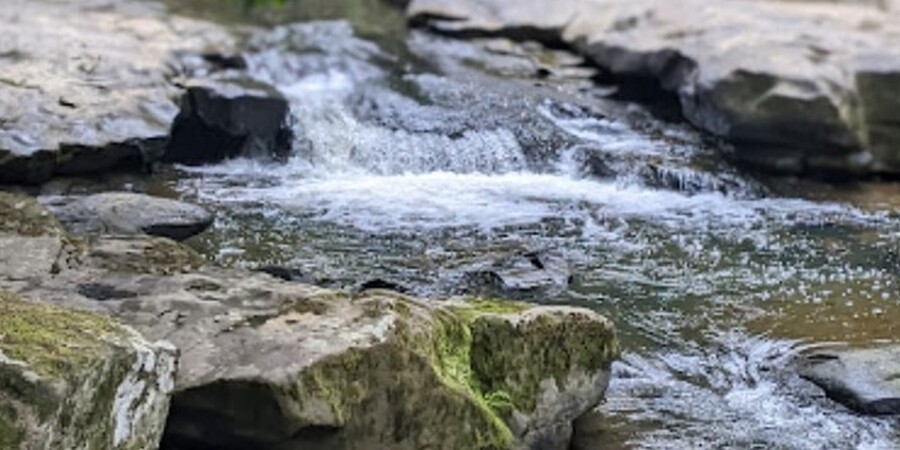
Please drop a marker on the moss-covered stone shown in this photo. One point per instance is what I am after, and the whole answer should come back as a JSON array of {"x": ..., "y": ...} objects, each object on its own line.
[
  {"x": 76, "y": 380},
  {"x": 143, "y": 255},
  {"x": 52, "y": 341},
  {"x": 24, "y": 216},
  {"x": 513, "y": 358},
  {"x": 383, "y": 371}
]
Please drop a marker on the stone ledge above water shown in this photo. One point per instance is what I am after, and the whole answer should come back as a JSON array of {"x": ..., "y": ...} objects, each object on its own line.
[{"x": 798, "y": 86}]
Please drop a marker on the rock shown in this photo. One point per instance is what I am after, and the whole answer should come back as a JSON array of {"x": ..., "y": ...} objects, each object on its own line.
[
  {"x": 303, "y": 368},
  {"x": 141, "y": 255},
  {"x": 865, "y": 380},
  {"x": 797, "y": 86},
  {"x": 77, "y": 380},
  {"x": 221, "y": 120},
  {"x": 32, "y": 242},
  {"x": 93, "y": 94},
  {"x": 273, "y": 364},
  {"x": 381, "y": 284},
  {"x": 266, "y": 363},
  {"x": 130, "y": 213},
  {"x": 521, "y": 273}
]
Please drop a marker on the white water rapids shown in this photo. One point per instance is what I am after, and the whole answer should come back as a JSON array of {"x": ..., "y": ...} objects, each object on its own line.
[{"x": 686, "y": 274}]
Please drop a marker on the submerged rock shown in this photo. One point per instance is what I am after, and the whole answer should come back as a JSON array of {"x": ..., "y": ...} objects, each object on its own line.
[
  {"x": 92, "y": 94},
  {"x": 818, "y": 98},
  {"x": 522, "y": 273},
  {"x": 77, "y": 380},
  {"x": 130, "y": 213},
  {"x": 220, "y": 121},
  {"x": 865, "y": 380}
]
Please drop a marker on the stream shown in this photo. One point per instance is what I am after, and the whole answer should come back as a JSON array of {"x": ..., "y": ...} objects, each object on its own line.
[{"x": 420, "y": 160}]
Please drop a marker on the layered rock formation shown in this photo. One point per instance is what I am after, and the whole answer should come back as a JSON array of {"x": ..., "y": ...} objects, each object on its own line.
[
  {"x": 100, "y": 93},
  {"x": 797, "y": 86},
  {"x": 92, "y": 94},
  {"x": 267, "y": 363}
]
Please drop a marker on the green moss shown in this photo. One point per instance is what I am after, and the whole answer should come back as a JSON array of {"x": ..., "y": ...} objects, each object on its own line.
[
  {"x": 11, "y": 432},
  {"x": 452, "y": 344},
  {"x": 480, "y": 306},
  {"x": 25, "y": 216},
  {"x": 339, "y": 382},
  {"x": 52, "y": 341},
  {"x": 143, "y": 255},
  {"x": 168, "y": 256},
  {"x": 501, "y": 402},
  {"x": 515, "y": 358}
]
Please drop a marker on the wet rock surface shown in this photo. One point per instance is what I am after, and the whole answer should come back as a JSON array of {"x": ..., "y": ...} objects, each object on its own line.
[
  {"x": 222, "y": 120},
  {"x": 537, "y": 272},
  {"x": 131, "y": 213},
  {"x": 93, "y": 94},
  {"x": 800, "y": 101},
  {"x": 865, "y": 380}
]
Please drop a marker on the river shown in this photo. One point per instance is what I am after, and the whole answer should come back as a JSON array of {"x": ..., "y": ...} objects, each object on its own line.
[{"x": 420, "y": 159}]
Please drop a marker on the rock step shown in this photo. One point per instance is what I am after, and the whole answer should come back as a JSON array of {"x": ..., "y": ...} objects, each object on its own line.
[
  {"x": 269, "y": 363},
  {"x": 803, "y": 87}
]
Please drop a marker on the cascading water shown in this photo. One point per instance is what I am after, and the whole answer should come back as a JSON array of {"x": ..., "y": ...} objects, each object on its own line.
[{"x": 421, "y": 173}]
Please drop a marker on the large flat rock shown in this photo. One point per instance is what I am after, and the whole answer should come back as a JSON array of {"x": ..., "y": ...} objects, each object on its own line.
[
  {"x": 798, "y": 86},
  {"x": 85, "y": 84},
  {"x": 865, "y": 380},
  {"x": 133, "y": 213}
]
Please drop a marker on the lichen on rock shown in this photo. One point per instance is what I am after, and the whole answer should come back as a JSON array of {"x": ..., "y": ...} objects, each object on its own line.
[
  {"x": 24, "y": 216},
  {"x": 379, "y": 370},
  {"x": 67, "y": 380}
]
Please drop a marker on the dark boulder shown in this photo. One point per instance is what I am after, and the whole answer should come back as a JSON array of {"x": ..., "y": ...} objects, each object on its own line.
[{"x": 222, "y": 121}]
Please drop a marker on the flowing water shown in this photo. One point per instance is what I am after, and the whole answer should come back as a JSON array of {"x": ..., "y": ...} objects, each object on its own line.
[{"x": 419, "y": 160}]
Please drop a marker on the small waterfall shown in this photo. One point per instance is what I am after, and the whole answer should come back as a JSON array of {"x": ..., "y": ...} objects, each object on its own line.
[{"x": 416, "y": 175}]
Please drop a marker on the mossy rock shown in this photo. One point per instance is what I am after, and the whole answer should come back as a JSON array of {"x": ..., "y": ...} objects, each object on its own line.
[
  {"x": 385, "y": 371},
  {"x": 76, "y": 380},
  {"x": 143, "y": 255},
  {"x": 24, "y": 216}
]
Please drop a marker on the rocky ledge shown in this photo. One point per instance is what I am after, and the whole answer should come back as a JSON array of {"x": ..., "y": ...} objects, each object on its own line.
[
  {"x": 102, "y": 92},
  {"x": 797, "y": 86},
  {"x": 266, "y": 363}
]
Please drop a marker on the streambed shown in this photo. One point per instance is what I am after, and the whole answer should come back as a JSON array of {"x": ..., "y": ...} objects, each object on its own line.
[{"x": 419, "y": 160}]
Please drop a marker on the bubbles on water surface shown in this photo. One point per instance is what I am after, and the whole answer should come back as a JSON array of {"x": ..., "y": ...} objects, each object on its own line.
[{"x": 387, "y": 184}]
